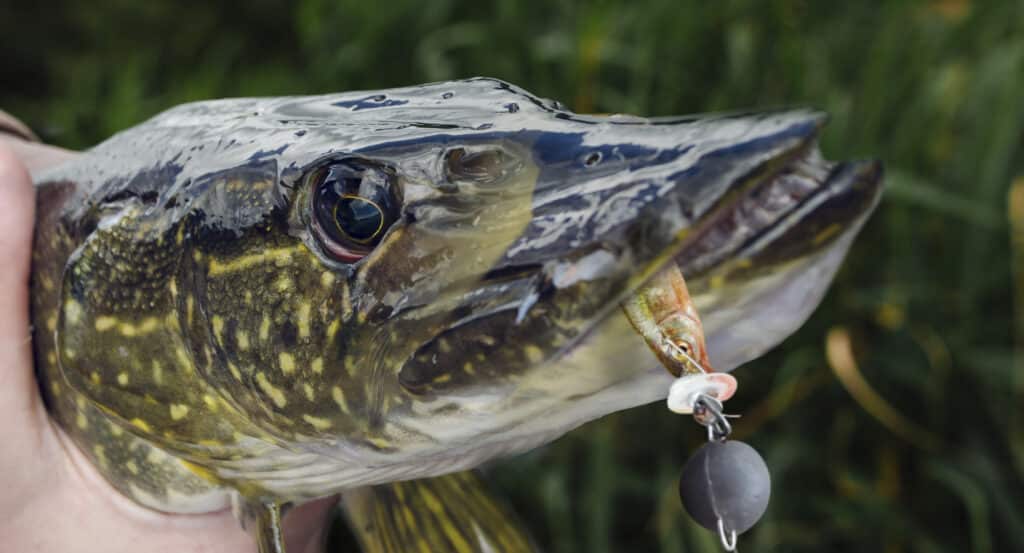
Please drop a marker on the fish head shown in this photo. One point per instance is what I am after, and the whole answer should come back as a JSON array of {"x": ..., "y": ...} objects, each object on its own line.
[
  {"x": 506, "y": 232},
  {"x": 430, "y": 271}
]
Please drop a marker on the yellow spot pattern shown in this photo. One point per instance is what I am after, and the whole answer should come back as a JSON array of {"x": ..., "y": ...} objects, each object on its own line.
[
  {"x": 179, "y": 412},
  {"x": 332, "y": 329},
  {"x": 275, "y": 394},
  {"x": 317, "y": 422},
  {"x": 158, "y": 373},
  {"x": 827, "y": 233},
  {"x": 73, "y": 311},
  {"x": 287, "y": 362},
  {"x": 130, "y": 330},
  {"x": 304, "y": 319},
  {"x": 280, "y": 256},
  {"x": 218, "y": 327},
  {"x": 234, "y": 371},
  {"x": 339, "y": 398},
  {"x": 183, "y": 358},
  {"x": 242, "y": 337},
  {"x": 101, "y": 455},
  {"x": 265, "y": 329},
  {"x": 211, "y": 402}
]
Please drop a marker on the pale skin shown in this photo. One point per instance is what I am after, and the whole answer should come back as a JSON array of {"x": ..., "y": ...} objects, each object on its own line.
[{"x": 52, "y": 500}]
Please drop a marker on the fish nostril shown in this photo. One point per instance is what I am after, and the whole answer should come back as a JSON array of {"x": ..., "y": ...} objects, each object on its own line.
[{"x": 592, "y": 159}]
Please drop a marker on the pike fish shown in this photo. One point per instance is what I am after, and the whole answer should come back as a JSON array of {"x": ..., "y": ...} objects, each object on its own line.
[{"x": 258, "y": 302}]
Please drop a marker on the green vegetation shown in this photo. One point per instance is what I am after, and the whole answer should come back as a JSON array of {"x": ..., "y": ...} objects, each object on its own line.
[{"x": 931, "y": 461}]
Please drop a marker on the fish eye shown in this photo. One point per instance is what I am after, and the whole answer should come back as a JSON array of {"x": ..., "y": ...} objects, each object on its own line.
[
  {"x": 353, "y": 207},
  {"x": 486, "y": 166}
]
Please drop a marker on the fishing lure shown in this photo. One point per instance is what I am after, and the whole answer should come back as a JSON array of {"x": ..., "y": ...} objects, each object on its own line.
[{"x": 725, "y": 486}]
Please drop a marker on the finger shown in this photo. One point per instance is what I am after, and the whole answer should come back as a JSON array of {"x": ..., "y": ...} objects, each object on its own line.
[
  {"x": 304, "y": 526},
  {"x": 18, "y": 395}
]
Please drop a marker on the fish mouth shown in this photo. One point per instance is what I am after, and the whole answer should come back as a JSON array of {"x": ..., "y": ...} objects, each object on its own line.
[
  {"x": 737, "y": 204},
  {"x": 799, "y": 210},
  {"x": 750, "y": 257},
  {"x": 744, "y": 207}
]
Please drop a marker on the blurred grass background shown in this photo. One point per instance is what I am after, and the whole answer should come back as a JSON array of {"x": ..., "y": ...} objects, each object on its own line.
[{"x": 892, "y": 421}]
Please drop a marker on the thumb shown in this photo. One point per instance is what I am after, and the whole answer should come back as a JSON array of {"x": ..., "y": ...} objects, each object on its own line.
[{"x": 19, "y": 398}]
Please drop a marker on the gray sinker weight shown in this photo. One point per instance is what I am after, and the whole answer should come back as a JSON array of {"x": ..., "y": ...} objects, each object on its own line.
[{"x": 725, "y": 480}]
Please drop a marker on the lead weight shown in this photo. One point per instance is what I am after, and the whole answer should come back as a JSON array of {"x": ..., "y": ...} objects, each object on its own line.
[{"x": 725, "y": 481}]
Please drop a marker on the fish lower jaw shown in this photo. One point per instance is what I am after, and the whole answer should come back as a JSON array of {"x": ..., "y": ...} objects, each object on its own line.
[
  {"x": 612, "y": 369},
  {"x": 744, "y": 324},
  {"x": 303, "y": 476}
]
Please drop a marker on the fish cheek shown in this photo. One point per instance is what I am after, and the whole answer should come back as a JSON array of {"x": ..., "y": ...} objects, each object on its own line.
[
  {"x": 491, "y": 353},
  {"x": 423, "y": 272},
  {"x": 271, "y": 324},
  {"x": 119, "y": 342}
]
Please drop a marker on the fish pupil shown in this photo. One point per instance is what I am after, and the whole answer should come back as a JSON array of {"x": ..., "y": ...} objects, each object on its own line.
[{"x": 359, "y": 218}]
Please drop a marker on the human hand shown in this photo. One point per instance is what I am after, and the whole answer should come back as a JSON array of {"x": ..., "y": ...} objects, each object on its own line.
[{"x": 53, "y": 500}]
